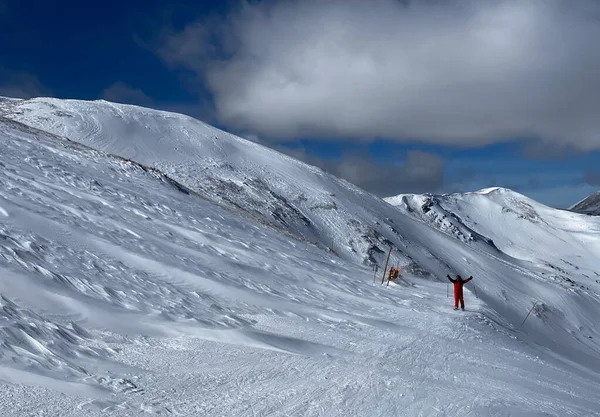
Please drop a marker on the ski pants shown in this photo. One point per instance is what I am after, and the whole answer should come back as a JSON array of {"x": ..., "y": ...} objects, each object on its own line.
[{"x": 458, "y": 297}]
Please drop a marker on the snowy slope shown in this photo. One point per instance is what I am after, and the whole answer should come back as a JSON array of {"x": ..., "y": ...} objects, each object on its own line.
[
  {"x": 589, "y": 205},
  {"x": 559, "y": 247},
  {"x": 562, "y": 241},
  {"x": 270, "y": 186},
  {"x": 278, "y": 190},
  {"x": 131, "y": 296}
]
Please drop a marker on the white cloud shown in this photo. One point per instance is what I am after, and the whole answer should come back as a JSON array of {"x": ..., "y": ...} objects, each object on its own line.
[{"x": 461, "y": 72}]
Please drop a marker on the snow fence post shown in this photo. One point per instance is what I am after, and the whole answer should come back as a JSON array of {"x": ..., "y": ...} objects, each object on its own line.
[{"x": 386, "y": 264}]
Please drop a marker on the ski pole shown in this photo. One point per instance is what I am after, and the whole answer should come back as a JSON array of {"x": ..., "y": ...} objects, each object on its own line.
[
  {"x": 475, "y": 289},
  {"x": 447, "y": 290},
  {"x": 534, "y": 304}
]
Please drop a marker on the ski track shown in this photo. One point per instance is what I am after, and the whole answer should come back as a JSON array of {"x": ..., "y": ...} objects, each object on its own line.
[{"x": 121, "y": 295}]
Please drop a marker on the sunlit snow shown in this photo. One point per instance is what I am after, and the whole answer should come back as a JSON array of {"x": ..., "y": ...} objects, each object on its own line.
[{"x": 208, "y": 275}]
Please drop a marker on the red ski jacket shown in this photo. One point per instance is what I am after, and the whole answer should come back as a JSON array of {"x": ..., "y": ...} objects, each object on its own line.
[{"x": 458, "y": 284}]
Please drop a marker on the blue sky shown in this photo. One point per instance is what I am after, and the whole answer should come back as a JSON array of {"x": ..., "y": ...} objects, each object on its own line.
[{"x": 339, "y": 85}]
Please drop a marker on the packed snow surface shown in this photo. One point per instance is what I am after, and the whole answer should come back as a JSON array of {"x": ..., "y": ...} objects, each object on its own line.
[{"x": 131, "y": 291}]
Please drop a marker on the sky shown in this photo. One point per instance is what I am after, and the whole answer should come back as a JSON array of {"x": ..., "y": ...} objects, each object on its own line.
[{"x": 396, "y": 96}]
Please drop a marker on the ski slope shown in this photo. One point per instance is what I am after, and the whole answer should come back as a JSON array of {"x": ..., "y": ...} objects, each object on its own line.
[
  {"x": 559, "y": 247},
  {"x": 123, "y": 294}
]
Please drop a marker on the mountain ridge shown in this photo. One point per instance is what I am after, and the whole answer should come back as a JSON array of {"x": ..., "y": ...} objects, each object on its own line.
[
  {"x": 244, "y": 188},
  {"x": 507, "y": 220}
]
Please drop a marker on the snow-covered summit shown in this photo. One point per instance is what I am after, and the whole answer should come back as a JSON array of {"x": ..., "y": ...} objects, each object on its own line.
[
  {"x": 589, "y": 205},
  {"x": 493, "y": 189},
  {"x": 512, "y": 223},
  {"x": 3, "y": 98},
  {"x": 237, "y": 173}
]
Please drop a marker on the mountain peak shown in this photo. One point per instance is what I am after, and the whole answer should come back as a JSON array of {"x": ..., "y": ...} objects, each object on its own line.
[
  {"x": 494, "y": 189},
  {"x": 590, "y": 204}
]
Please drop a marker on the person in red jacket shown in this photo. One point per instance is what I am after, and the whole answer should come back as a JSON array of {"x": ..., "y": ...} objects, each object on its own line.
[{"x": 458, "y": 290}]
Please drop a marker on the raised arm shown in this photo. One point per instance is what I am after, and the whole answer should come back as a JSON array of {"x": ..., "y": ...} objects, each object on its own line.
[
  {"x": 468, "y": 279},
  {"x": 451, "y": 280}
]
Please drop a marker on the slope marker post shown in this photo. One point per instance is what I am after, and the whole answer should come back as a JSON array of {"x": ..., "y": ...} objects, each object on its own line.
[
  {"x": 386, "y": 264},
  {"x": 534, "y": 304}
]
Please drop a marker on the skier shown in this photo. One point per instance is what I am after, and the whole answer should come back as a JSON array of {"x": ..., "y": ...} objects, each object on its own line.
[{"x": 458, "y": 290}]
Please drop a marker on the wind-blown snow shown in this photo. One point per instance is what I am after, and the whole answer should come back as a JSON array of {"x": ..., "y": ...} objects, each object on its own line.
[
  {"x": 125, "y": 294},
  {"x": 227, "y": 169}
]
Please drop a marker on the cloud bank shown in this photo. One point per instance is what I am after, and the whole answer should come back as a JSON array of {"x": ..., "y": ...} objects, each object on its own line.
[
  {"x": 463, "y": 72},
  {"x": 420, "y": 171}
]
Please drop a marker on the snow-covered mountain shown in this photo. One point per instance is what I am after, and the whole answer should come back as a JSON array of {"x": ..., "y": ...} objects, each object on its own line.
[
  {"x": 178, "y": 282},
  {"x": 589, "y": 205},
  {"x": 561, "y": 243},
  {"x": 514, "y": 224},
  {"x": 237, "y": 173}
]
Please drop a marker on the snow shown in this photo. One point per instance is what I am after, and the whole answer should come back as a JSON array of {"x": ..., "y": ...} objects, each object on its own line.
[
  {"x": 124, "y": 292},
  {"x": 589, "y": 205},
  {"x": 491, "y": 190},
  {"x": 516, "y": 224}
]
